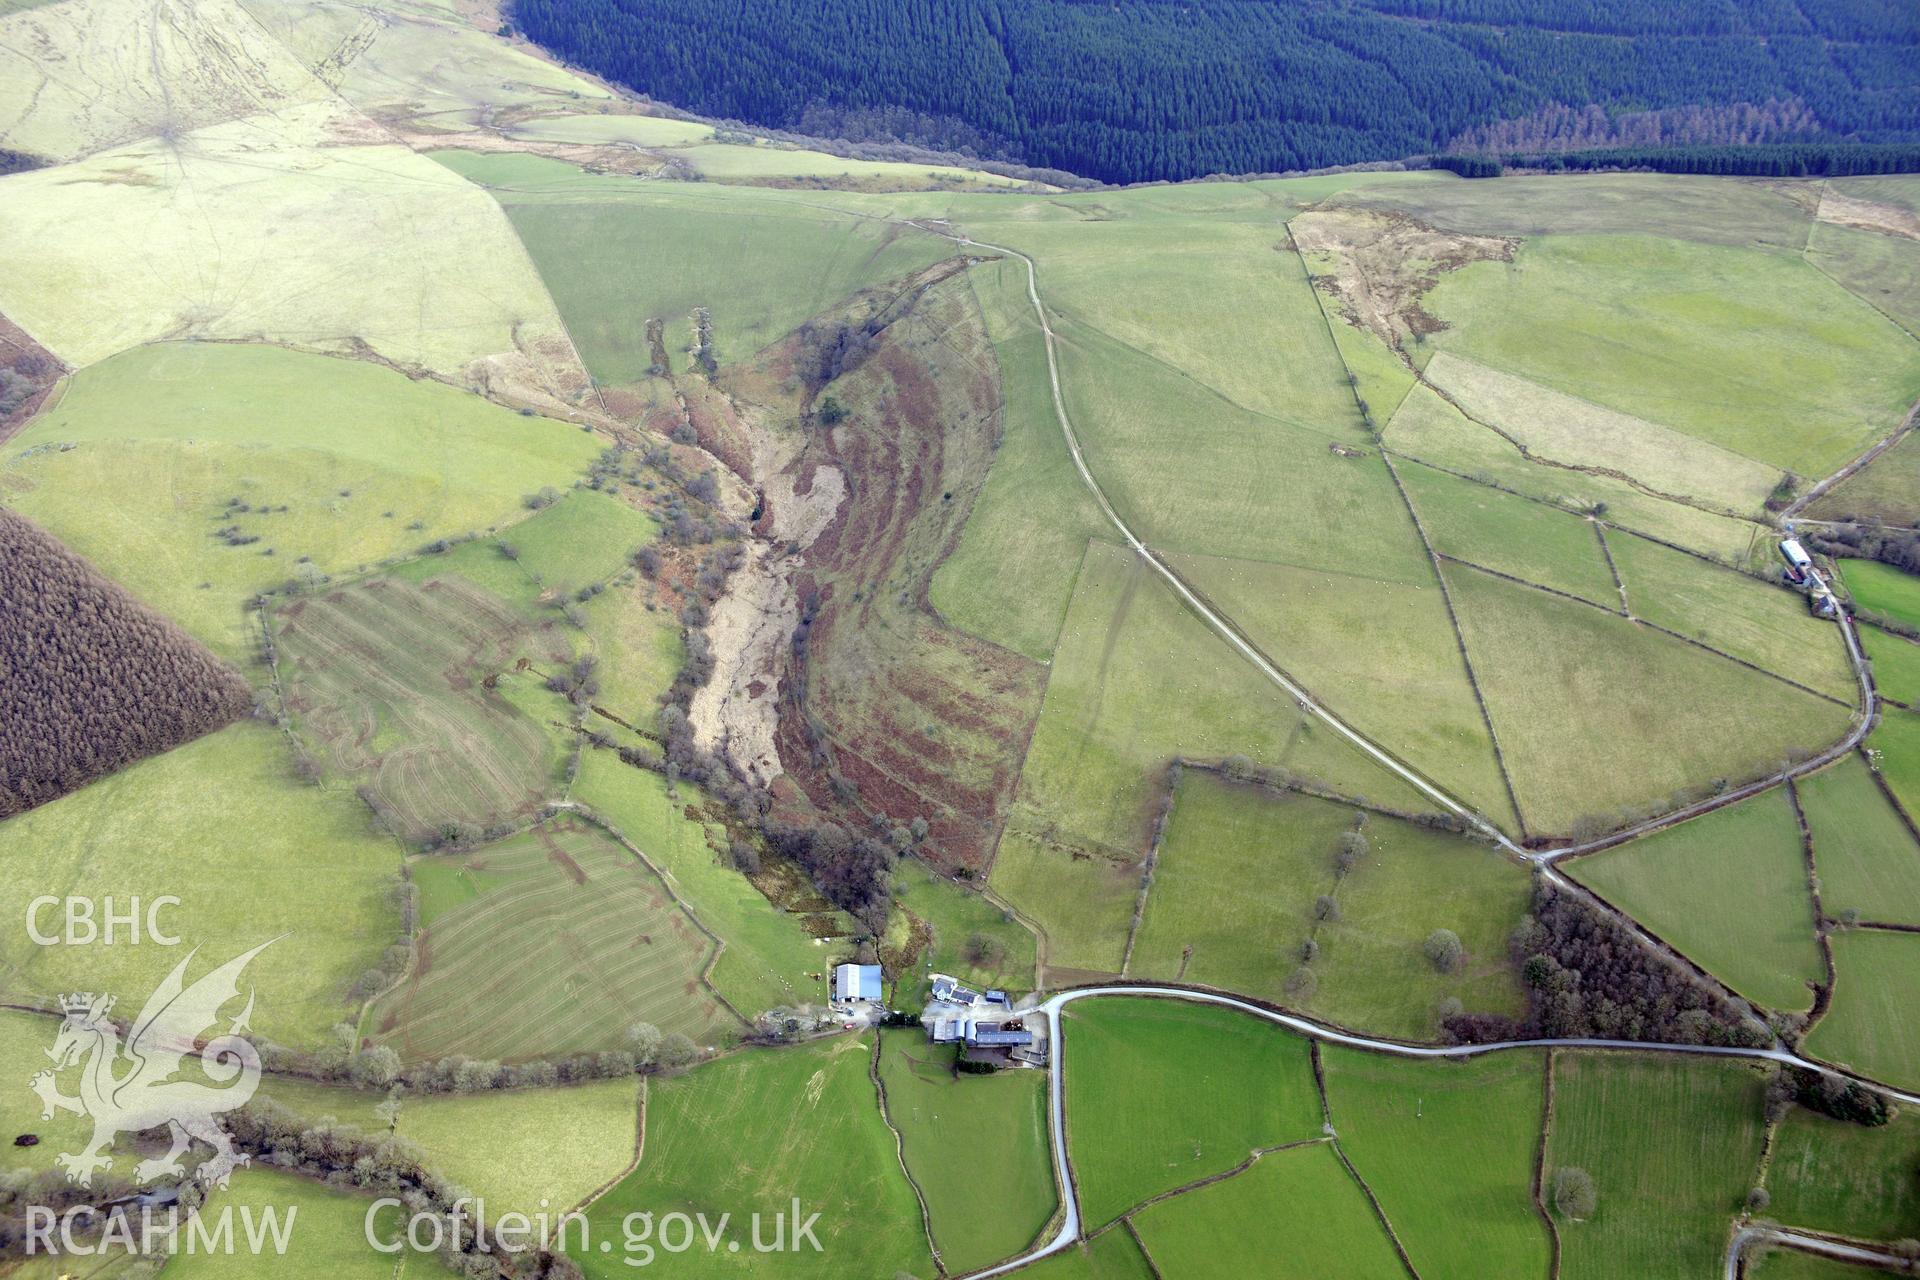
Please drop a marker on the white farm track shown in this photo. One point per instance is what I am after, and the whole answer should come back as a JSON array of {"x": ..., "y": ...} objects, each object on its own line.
[{"x": 1748, "y": 1236}]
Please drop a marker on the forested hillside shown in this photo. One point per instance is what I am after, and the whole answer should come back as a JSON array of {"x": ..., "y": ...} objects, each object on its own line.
[{"x": 1145, "y": 89}]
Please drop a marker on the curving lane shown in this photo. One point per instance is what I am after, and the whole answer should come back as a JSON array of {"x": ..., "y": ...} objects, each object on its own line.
[{"x": 1070, "y": 1224}]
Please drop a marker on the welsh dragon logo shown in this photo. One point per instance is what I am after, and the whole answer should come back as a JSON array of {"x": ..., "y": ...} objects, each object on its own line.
[{"x": 127, "y": 1088}]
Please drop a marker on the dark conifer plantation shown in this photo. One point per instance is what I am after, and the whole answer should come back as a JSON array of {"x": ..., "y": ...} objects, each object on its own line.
[
  {"x": 91, "y": 680},
  {"x": 1138, "y": 90}
]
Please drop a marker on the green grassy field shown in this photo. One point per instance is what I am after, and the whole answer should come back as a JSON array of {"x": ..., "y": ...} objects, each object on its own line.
[
  {"x": 1897, "y": 742},
  {"x": 1886, "y": 489},
  {"x": 1449, "y": 1149},
  {"x": 1136, "y": 680},
  {"x": 1758, "y": 622},
  {"x": 1381, "y": 655},
  {"x": 1112, "y": 1255},
  {"x": 956, "y": 915},
  {"x": 1580, "y": 434},
  {"x": 412, "y": 691},
  {"x": 556, "y": 1145},
  {"x": 1870, "y": 1027},
  {"x": 1884, "y": 589},
  {"x": 1294, "y": 1213},
  {"x": 326, "y": 1235},
  {"x": 1672, "y": 1144},
  {"x": 1192, "y": 471},
  {"x": 1729, "y": 890},
  {"x": 1512, "y": 535},
  {"x": 618, "y": 251},
  {"x": 542, "y": 1148},
  {"x": 769, "y": 957},
  {"x": 1896, "y": 664},
  {"x": 583, "y": 538},
  {"x": 1881, "y": 270},
  {"x": 1706, "y": 210},
  {"x": 223, "y": 825},
  {"x": 212, "y": 259},
  {"x": 1753, "y": 351},
  {"x": 1208, "y": 299},
  {"x": 750, "y": 1133},
  {"x": 1788, "y": 1264},
  {"x": 1233, "y": 898},
  {"x": 639, "y": 651},
  {"x": 1149, "y": 1109},
  {"x": 597, "y": 946},
  {"x": 1427, "y": 428},
  {"x": 367, "y": 463},
  {"x": 1832, "y": 1175},
  {"x": 1868, "y": 861},
  {"x": 24, "y": 1041},
  {"x": 977, "y": 1145},
  {"x": 1012, "y": 575},
  {"x": 1597, "y": 715}
]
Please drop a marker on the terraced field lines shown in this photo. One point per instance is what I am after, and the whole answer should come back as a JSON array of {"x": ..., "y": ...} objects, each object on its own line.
[
  {"x": 395, "y": 685},
  {"x": 598, "y": 946}
]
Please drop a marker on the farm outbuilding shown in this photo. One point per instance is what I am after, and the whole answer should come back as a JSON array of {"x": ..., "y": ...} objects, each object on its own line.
[{"x": 857, "y": 984}]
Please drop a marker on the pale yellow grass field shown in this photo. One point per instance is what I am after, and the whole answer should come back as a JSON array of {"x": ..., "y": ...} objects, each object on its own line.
[
  {"x": 83, "y": 75},
  {"x": 405, "y": 59},
  {"x": 306, "y": 228},
  {"x": 1580, "y": 433}
]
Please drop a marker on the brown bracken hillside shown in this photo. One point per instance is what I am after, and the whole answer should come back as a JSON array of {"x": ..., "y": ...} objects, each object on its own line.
[{"x": 91, "y": 680}]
